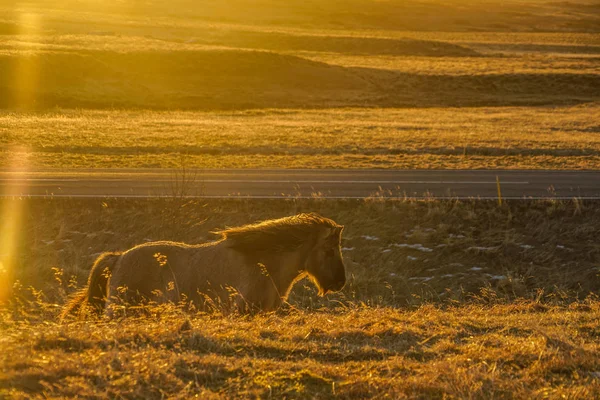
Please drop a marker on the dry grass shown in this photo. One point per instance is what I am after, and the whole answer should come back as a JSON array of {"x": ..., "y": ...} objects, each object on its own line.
[
  {"x": 428, "y": 15},
  {"x": 521, "y": 350},
  {"x": 526, "y": 64},
  {"x": 515, "y": 137},
  {"x": 398, "y": 253},
  {"x": 445, "y": 299},
  {"x": 391, "y": 54},
  {"x": 312, "y": 82},
  {"x": 233, "y": 78}
]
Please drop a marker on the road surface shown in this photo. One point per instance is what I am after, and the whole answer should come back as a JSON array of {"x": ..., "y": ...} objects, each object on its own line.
[{"x": 303, "y": 183}]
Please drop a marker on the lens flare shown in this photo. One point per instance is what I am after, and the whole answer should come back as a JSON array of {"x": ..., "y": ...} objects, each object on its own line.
[
  {"x": 26, "y": 68},
  {"x": 11, "y": 233}
]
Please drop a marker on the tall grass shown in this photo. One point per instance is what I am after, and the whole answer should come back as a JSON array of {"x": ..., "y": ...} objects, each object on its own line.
[{"x": 398, "y": 253}]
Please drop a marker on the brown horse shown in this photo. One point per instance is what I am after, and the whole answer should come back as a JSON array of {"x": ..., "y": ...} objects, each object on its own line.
[{"x": 251, "y": 268}]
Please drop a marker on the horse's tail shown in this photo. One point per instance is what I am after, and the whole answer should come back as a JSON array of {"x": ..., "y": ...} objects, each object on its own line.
[{"x": 92, "y": 298}]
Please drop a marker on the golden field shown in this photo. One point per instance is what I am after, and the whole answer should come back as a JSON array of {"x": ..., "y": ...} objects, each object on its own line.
[
  {"x": 445, "y": 299},
  {"x": 520, "y": 350},
  {"x": 245, "y": 84},
  {"x": 500, "y": 137},
  {"x": 398, "y": 252}
]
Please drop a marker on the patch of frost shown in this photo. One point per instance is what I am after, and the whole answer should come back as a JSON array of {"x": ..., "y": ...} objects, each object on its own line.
[
  {"x": 421, "y": 278},
  {"x": 417, "y": 246},
  {"x": 367, "y": 237},
  {"x": 347, "y": 248},
  {"x": 565, "y": 248},
  {"x": 481, "y": 248}
]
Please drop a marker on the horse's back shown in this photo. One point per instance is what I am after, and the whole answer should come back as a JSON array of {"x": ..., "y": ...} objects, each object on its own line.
[{"x": 172, "y": 270}]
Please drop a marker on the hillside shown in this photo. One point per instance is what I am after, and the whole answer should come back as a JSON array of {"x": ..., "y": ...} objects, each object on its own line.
[{"x": 266, "y": 55}]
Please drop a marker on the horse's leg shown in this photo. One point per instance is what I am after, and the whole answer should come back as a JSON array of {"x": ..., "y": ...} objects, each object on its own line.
[
  {"x": 112, "y": 303},
  {"x": 118, "y": 296}
]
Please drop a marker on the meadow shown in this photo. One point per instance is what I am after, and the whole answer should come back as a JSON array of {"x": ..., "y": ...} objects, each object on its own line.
[
  {"x": 444, "y": 299},
  {"x": 484, "y": 137},
  {"x": 519, "y": 350},
  {"x": 374, "y": 85}
]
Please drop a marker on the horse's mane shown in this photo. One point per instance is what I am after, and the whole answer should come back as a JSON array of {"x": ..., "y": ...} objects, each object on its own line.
[{"x": 283, "y": 234}]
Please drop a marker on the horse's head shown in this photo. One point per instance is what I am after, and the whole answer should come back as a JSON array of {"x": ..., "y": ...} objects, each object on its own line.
[{"x": 325, "y": 263}]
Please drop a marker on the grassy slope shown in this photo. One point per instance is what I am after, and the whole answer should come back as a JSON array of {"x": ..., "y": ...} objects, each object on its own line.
[
  {"x": 514, "y": 137},
  {"x": 303, "y": 56},
  {"x": 251, "y": 55},
  {"x": 471, "y": 15},
  {"x": 265, "y": 55},
  {"x": 201, "y": 77}
]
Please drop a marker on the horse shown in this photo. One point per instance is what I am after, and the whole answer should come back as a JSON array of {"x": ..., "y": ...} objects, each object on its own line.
[{"x": 250, "y": 268}]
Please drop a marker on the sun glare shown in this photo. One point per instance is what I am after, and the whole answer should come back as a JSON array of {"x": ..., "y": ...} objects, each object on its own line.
[
  {"x": 10, "y": 227},
  {"x": 26, "y": 71}
]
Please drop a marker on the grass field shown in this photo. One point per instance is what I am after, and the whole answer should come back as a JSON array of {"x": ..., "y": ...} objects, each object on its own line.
[
  {"x": 444, "y": 299},
  {"x": 523, "y": 350},
  {"x": 501, "y": 137},
  {"x": 399, "y": 253},
  {"x": 377, "y": 85},
  {"x": 264, "y": 69}
]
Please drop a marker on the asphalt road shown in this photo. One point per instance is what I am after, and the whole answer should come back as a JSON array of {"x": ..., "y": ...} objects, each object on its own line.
[{"x": 303, "y": 183}]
